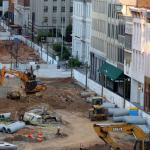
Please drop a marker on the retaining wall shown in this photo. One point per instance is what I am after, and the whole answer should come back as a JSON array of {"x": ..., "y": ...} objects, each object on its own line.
[{"x": 110, "y": 96}]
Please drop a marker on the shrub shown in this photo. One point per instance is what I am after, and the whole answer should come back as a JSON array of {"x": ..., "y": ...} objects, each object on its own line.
[{"x": 74, "y": 62}]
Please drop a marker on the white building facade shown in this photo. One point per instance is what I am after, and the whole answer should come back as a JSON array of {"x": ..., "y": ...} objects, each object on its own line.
[
  {"x": 81, "y": 36},
  {"x": 140, "y": 63},
  {"x": 50, "y": 14},
  {"x": 21, "y": 13}
]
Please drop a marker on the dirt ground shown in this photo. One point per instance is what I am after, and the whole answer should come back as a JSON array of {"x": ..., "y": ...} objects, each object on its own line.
[
  {"x": 9, "y": 50},
  {"x": 63, "y": 97}
]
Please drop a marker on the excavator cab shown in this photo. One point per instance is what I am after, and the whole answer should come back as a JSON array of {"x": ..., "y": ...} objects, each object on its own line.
[
  {"x": 97, "y": 113},
  {"x": 141, "y": 145}
]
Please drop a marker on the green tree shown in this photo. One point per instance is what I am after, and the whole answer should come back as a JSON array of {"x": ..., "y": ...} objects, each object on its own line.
[
  {"x": 65, "y": 54},
  {"x": 40, "y": 35},
  {"x": 74, "y": 62}
]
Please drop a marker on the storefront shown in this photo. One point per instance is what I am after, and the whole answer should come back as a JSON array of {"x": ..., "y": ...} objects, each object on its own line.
[{"x": 114, "y": 79}]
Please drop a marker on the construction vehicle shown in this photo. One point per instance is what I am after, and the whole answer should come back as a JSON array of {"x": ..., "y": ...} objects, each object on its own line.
[
  {"x": 97, "y": 113},
  {"x": 31, "y": 85},
  {"x": 103, "y": 131},
  {"x": 98, "y": 100}
]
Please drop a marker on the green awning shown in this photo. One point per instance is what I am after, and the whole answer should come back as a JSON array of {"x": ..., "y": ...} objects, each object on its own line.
[{"x": 110, "y": 71}]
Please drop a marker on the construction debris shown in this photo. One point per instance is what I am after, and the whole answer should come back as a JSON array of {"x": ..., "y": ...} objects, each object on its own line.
[
  {"x": 87, "y": 94},
  {"x": 7, "y": 146}
]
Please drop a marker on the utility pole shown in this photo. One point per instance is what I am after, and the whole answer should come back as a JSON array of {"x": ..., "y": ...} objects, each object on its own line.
[
  {"x": 47, "y": 52},
  {"x": 71, "y": 67},
  {"x": 86, "y": 75},
  {"x": 124, "y": 91},
  {"x": 33, "y": 23},
  {"x": 41, "y": 48},
  {"x": 62, "y": 46}
]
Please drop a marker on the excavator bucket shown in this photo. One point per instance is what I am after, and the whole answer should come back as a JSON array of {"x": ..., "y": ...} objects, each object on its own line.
[{"x": 30, "y": 86}]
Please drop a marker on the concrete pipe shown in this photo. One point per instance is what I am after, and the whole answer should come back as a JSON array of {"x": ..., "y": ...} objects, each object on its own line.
[
  {"x": 15, "y": 126},
  {"x": 4, "y": 129},
  {"x": 5, "y": 115},
  {"x": 1, "y": 127}
]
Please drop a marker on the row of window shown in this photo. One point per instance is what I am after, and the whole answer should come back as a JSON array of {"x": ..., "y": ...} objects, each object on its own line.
[
  {"x": 99, "y": 6},
  {"x": 53, "y": 0},
  {"x": 54, "y": 20},
  {"x": 55, "y": 9},
  {"x": 97, "y": 43},
  {"x": 99, "y": 25}
]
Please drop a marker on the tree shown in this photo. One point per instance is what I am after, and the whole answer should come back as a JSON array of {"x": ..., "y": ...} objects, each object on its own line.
[
  {"x": 40, "y": 35},
  {"x": 65, "y": 54},
  {"x": 68, "y": 36}
]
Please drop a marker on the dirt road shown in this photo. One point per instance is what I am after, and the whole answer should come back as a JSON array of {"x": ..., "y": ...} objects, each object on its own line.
[{"x": 80, "y": 129}]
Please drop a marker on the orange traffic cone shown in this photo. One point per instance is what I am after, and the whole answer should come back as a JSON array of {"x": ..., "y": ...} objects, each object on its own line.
[
  {"x": 40, "y": 137},
  {"x": 30, "y": 135}
]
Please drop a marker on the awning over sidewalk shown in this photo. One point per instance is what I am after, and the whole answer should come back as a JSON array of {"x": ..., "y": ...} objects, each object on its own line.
[{"x": 110, "y": 71}]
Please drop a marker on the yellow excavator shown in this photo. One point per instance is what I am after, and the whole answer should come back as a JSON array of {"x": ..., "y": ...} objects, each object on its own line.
[
  {"x": 31, "y": 85},
  {"x": 103, "y": 131}
]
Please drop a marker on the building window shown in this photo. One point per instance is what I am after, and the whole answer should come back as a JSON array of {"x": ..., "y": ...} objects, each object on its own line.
[
  {"x": 54, "y": 8},
  {"x": 62, "y": 19},
  {"x": 63, "y": 9},
  {"x": 45, "y": 9},
  {"x": 128, "y": 41},
  {"x": 1, "y": 2},
  {"x": 45, "y": 0},
  {"x": 45, "y": 19},
  {"x": 71, "y": 9},
  {"x": 54, "y": 20},
  {"x": 121, "y": 55}
]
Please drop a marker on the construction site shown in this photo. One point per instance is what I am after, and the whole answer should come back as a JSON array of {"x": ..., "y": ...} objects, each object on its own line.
[{"x": 59, "y": 113}]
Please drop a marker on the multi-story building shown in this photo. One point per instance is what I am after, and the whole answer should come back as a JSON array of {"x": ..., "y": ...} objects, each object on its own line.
[
  {"x": 108, "y": 43},
  {"x": 50, "y": 14},
  {"x": 140, "y": 61},
  {"x": 21, "y": 12},
  {"x": 81, "y": 36}
]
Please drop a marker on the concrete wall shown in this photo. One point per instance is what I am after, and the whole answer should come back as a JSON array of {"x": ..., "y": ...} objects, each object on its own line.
[
  {"x": 4, "y": 34},
  {"x": 42, "y": 52},
  {"x": 110, "y": 96}
]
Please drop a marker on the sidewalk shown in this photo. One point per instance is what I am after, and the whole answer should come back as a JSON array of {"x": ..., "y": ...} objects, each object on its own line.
[{"x": 51, "y": 71}]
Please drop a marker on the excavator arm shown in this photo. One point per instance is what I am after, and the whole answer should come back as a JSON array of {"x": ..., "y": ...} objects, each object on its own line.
[
  {"x": 103, "y": 131},
  {"x": 23, "y": 77},
  {"x": 29, "y": 80}
]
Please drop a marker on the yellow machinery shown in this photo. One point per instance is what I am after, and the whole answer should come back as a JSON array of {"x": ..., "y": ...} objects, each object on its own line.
[
  {"x": 97, "y": 113},
  {"x": 28, "y": 78},
  {"x": 142, "y": 139}
]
